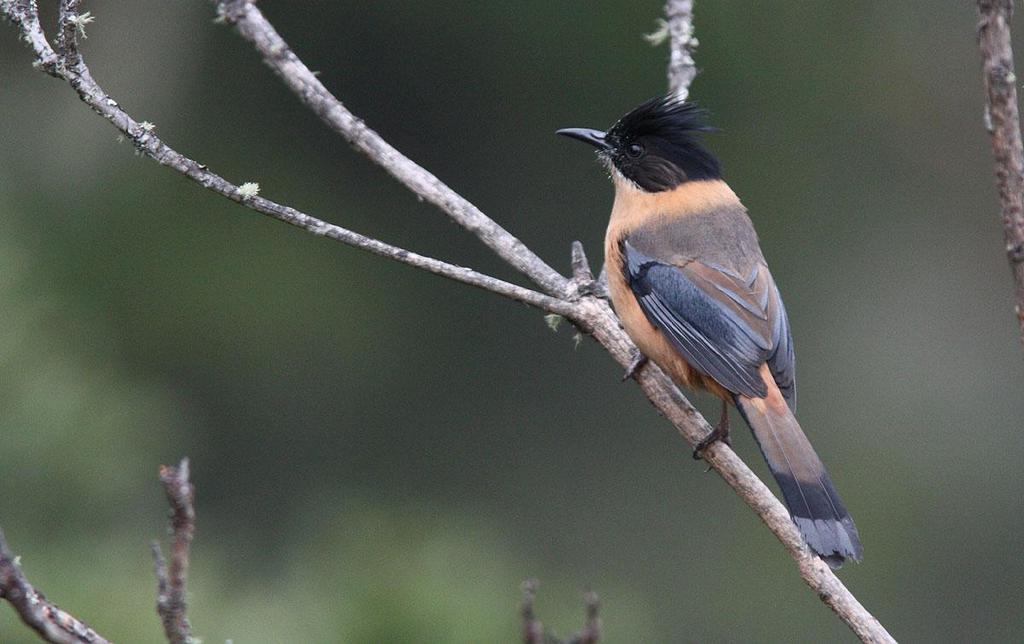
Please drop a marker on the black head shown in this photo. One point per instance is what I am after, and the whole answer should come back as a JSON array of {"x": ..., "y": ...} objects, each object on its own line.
[{"x": 655, "y": 146}]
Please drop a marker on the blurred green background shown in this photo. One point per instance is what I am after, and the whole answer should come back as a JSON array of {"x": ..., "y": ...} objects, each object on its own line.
[{"x": 381, "y": 455}]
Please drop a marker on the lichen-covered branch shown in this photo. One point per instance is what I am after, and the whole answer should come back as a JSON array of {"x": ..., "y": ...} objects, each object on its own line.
[
  {"x": 143, "y": 136},
  {"x": 44, "y": 617},
  {"x": 575, "y": 299},
  {"x": 1003, "y": 123},
  {"x": 70, "y": 26},
  {"x": 171, "y": 580},
  {"x": 681, "y": 67},
  {"x": 278, "y": 55}
]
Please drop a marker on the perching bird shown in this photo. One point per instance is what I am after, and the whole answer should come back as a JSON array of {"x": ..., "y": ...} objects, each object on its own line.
[{"x": 688, "y": 280}]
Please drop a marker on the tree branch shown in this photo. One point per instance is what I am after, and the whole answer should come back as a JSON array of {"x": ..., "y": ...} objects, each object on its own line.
[
  {"x": 67, "y": 32},
  {"x": 564, "y": 297},
  {"x": 143, "y": 136},
  {"x": 251, "y": 24},
  {"x": 1003, "y": 124},
  {"x": 44, "y": 617},
  {"x": 171, "y": 581},
  {"x": 681, "y": 67}
]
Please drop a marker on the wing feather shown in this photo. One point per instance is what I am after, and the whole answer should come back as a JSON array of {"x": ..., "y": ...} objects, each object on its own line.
[{"x": 726, "y": 325}]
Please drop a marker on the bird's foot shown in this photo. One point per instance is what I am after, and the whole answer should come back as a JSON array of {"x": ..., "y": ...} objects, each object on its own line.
[
  {"x": 636, "y": 364},
  {"x": 719, "y": 432}
]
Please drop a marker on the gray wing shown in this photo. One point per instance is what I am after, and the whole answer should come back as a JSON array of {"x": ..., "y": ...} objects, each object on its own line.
[
  {"x": 724, "y": 324},
  {"x": 782, "y": 361}
]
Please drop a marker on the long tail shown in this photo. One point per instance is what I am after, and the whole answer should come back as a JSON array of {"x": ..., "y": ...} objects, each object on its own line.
[{"x": 810, "y": 496}]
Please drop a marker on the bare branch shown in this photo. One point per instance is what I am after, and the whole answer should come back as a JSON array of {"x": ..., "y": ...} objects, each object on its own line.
[
  {"x": 591, "y": 314},
  {"x": 148, "y": 143},
  {"x": 25, "y": 16},
  {"x": 583, "y": 282},
  {"x": 67, "y": 32},
  {"x": 171, "y": 581},
  {"x": 580, "y": 265},
  {"x": 681, "y": 67},
  {"x": 1003, "y": 124},
  {"x": 44, "y": 617},
  {"x": 275, "y": 51}
]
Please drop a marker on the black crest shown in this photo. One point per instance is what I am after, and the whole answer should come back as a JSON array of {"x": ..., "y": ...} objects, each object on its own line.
[{"x": 656, "y": 146}]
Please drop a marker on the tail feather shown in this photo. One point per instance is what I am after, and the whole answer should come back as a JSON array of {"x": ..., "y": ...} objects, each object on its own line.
[{"x": 806, "y": 487}]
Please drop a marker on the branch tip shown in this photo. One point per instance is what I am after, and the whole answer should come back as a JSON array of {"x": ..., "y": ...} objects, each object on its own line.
[
  {"x": 580, "y": 264},
  {"x": 171, "y": 578},
  {"x": 583, "y": 283}
]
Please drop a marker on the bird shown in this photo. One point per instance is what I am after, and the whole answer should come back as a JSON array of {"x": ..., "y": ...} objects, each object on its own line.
[{"x": 689, "y": 282}]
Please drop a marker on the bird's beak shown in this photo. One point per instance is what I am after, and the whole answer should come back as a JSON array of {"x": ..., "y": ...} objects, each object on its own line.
[{"x": 593, "y": 137}]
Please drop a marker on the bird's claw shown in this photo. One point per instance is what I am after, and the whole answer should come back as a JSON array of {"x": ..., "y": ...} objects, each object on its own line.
[
  {"x": 638, "y": 362},
  {"x": 719, "y": 433}
]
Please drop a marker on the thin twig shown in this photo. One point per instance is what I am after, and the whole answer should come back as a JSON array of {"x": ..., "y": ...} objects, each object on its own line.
[
  {"x": 1003, "y": 123},
  {"x": 171, "y": 580},
  {"x": 583, "y": 282},
  {"x": 147, "y": 142},
  {"x": 67, "y": 32},
  {"x": 278, "y": 55},
  {"x": 591, "y": 314},
  {"x": 681, "y": 67},
  {"x": 580, "y": 265},
  {"x": 44, "y": 617}
]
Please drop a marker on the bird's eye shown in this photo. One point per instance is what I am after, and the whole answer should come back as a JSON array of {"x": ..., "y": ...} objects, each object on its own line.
[{"x": 634, "y": 150}]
